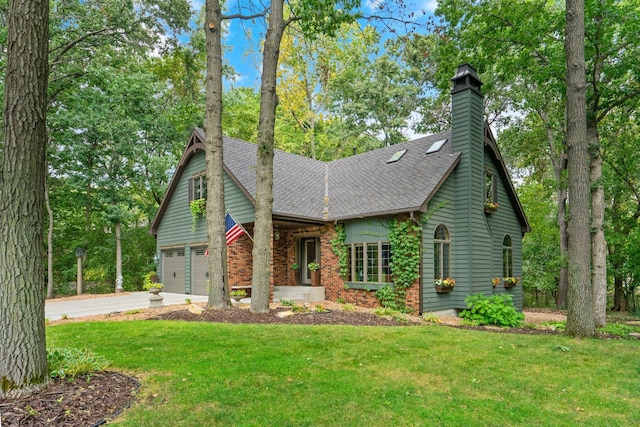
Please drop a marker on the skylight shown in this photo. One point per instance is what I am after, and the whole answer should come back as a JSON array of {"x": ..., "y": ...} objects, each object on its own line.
[
  {"x": 436, "y": 146},
  {"x": 396, "y": 156}
]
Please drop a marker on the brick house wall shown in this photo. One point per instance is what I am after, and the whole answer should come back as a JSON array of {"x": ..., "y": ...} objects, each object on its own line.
[{"x": 284, "y": 255}]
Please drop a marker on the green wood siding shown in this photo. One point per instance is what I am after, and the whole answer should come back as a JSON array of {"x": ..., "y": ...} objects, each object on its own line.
[
  {"x": 367, "y": 230},
  {"x": 441, "y": 210},
  {"x": 175, "y": 227},
  {"x": 501, "y": 223}
]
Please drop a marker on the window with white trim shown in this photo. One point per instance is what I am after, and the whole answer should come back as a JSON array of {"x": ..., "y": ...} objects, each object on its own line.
[
  {"x": 441, "y": 253},
  {"x": 369, "y": 262},
  {"x": 507, "y": 257},
  {"x": 198, "y": 188}
]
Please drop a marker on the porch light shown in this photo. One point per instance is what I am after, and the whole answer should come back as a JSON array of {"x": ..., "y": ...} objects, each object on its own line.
[{"x": 156, "y": 259}]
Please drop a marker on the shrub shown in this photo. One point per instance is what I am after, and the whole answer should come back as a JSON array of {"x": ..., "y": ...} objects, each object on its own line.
[
  {"x": 496, "y": 310},
  {"x": 69, "y": 362}
]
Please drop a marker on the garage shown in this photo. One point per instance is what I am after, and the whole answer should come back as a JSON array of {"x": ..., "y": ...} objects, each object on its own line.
[
  {"x": 199, "y": 271},
  {"x": 173, "y": 270}
]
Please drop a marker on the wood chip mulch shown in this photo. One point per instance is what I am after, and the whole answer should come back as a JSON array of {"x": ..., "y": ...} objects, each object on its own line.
[{"x": 87, "y": 400}]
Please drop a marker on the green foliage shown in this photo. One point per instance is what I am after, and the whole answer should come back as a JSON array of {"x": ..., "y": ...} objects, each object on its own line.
[
  {"x": 148, "y": 282},
  {"x": 287, "y": 302},
  {"x": 396, "y": 315},
  {"x": 70, "y": 362},
  {"x": 198, "y": 208},
  {"x": 340, "y": 249},
  {"x": 404, "y": 240},
  {"x": 495, "y": 310},
  {"x": 619, "y": 329},
  {"x": 430, "y": 318}
]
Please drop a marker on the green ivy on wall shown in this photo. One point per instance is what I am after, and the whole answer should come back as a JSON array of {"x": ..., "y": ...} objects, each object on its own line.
[
  {"x": 198, "y": 207},
  {"x": 404, "y": 240},
  {"x": 340, "y": 249}
]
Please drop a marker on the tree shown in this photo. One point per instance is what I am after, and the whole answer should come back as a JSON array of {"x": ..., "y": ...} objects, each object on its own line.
[
  {"x": 264, "y": 172},
  {"x": 580, "y": 321},
  {"x": 217, "y": 248},
  {"x": 23, "y": 360}
]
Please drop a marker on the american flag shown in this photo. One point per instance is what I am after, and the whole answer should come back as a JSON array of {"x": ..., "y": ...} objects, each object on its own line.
[{"x": 233, "y": 229}]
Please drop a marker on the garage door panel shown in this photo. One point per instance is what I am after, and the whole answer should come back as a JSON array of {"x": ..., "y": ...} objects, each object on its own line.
[
  {"x": 173, "y": 269},
  {"x": 199, "y": 271}
]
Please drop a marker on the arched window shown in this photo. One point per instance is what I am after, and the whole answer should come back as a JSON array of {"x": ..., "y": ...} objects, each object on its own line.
[
  {"x": 507, "y": 257},
  {"x": 441, "y": 253}
]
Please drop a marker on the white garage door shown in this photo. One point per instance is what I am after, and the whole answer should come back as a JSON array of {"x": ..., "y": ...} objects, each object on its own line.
[
  {"x": 199, "y": 271},
  {"x": 173, "y": 270}
]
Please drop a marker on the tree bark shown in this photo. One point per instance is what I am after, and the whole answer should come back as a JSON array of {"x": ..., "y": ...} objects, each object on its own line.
[
  {"x": 598, "y": 242},
  {"x": 580, "y": 322},
  {"x": 619, "y": 298},
  {"x": 49, "y": 242},
  {"x": 23, "y": 359},
  {"x": 119, "y": 278},
  {"x": 217, "y": 247},
  {"x": 262, "y": 246},
  {"x": 563, "y": 283}
]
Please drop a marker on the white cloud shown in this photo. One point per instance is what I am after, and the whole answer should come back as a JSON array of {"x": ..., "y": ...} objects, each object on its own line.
[{"x": 430, "y": 5}]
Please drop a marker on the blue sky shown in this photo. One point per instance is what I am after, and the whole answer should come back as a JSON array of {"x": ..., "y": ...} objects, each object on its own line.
[{"x": 243, "y": 38}]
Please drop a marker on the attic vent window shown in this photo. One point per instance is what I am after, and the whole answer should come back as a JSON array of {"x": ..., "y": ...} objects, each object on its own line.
[
  {"x": 396, "y": 156},
  {"x": 436, "y": 146}
]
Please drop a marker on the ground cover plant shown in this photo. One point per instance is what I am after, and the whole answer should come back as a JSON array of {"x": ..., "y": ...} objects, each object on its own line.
[{"x": 200, "y": 373}]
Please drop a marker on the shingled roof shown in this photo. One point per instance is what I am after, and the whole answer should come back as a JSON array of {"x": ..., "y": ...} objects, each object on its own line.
[{"x": 358, "y": 186}]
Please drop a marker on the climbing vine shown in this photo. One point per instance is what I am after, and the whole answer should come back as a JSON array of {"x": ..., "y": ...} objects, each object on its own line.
[
  {"x": 340, "y": 249},
  {"x": 404, "y": 240},
  {"x": 198, "y": 207}
]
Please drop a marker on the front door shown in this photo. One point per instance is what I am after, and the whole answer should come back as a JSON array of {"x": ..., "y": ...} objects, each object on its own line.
[{"x": 309, "y": 254}]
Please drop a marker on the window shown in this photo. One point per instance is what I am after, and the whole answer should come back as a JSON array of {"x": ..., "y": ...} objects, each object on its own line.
[
  {"x": 491, "y": 193},
  {"x": 507, "y": 257},
  {"x": 441, "y": 253},
  {"x": 369, "y": 262},
  {"x": 198, "y": 188}
]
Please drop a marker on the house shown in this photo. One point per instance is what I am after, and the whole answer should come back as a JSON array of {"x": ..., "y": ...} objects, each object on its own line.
[{"x": 452, "y": 186}]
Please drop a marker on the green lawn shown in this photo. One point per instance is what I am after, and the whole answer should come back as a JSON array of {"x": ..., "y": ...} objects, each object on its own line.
[{"x": 203, "y": 374}]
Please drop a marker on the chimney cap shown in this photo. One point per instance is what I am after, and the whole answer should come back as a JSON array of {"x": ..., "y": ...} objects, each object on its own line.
[{"x": 465, "y": 77}]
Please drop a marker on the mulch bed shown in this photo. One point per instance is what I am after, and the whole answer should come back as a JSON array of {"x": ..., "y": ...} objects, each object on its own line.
[
  {"x": 332, "y": 317},
  {"x": 87, "y": 400}
]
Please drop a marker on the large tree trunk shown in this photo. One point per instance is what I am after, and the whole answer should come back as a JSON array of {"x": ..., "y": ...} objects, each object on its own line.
[
  {"x": 598, "y": 242},
  {"x": 563, "y": 283},
  {"x": 619, "y": 298},
  {"x": 580, "y": 299},
  {"x": 217, "y": 248},
  {"x": 119, "y": 278},
  {"x": 264, "y": 174},
  {"x": 23, "y": 358},
  {"x": 49, "y": 242}
]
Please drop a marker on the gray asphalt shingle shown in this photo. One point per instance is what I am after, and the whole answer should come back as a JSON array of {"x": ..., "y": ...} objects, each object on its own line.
[{"x": 359, "y": 186}]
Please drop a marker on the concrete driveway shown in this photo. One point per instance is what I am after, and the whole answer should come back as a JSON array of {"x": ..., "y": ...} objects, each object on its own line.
[{"x": 90, "y": 305}]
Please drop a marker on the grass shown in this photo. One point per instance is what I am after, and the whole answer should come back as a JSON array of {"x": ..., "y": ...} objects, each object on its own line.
[{"x": 196, "y": 374}]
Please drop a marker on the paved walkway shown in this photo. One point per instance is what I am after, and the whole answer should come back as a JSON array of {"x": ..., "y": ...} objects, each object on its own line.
[{"x": 91, "y": 305}]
